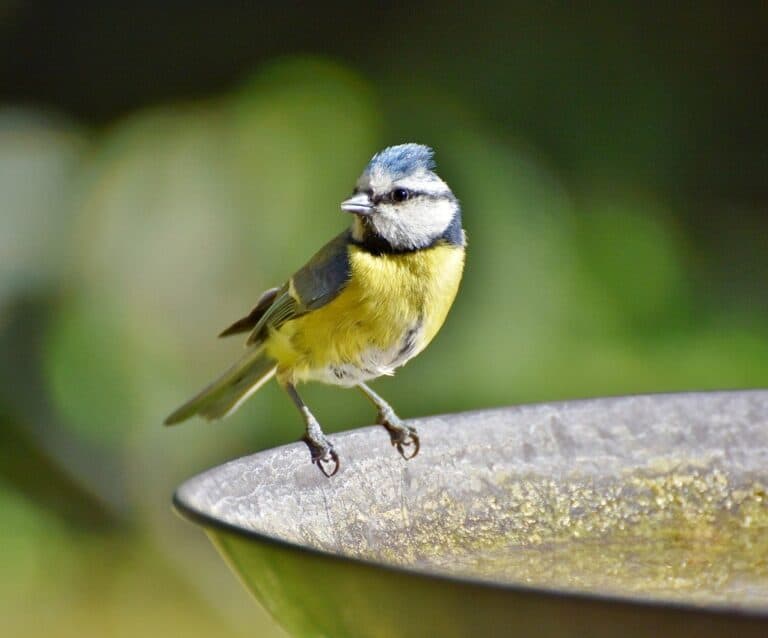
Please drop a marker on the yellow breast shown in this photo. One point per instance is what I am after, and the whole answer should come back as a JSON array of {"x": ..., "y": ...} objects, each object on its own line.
[{"x": 387, "y": 295}]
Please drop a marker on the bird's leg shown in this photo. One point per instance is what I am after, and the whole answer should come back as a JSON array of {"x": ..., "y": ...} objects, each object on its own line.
[
  {"x": 322, "y": 451},
  {"x": 402, "y": 435}
]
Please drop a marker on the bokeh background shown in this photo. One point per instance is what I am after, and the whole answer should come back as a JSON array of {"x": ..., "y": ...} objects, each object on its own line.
[{"x": 161, "y": 164}]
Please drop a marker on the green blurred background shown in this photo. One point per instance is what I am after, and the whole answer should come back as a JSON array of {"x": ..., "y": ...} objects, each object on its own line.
[{"x": 161, "y": 165}]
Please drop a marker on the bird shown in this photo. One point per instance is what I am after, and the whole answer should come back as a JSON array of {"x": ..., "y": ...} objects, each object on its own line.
[{"x": 363, "y": 306}]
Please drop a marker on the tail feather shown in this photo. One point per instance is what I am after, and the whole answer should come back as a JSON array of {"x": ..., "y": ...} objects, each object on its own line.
[{"x": 227, "y": 393}]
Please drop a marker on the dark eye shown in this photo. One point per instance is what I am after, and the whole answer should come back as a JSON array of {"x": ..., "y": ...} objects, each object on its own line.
[{"x": 400, "y": 194}]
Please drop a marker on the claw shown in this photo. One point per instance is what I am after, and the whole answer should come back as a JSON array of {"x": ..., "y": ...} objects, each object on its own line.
[
  {"x": 402, "y": 437},
  {"x": 324, "y": 456},
  {"x": 331, "y": 457}
]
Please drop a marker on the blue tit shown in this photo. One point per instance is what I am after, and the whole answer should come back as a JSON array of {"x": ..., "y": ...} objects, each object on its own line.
[{"x": 367, "y": 303}]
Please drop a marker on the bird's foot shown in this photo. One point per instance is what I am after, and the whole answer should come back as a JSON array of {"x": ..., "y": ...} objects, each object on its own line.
[
  {"x": 323, "y": 454},
  {"x": 403, "y": 437}
]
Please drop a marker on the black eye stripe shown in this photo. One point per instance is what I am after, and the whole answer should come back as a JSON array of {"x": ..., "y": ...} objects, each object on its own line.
[{"x": 413, "y": 194}]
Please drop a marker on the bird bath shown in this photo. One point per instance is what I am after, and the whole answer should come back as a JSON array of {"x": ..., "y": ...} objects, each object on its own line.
[{"x": 629, "y": 516}]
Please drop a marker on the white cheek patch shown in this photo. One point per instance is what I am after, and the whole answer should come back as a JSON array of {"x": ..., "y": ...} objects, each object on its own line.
[{"x": 414, "y": 223}]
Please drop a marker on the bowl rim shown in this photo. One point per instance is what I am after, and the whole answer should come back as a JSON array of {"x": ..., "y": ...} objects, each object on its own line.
[{"x": 721, "y": 610}]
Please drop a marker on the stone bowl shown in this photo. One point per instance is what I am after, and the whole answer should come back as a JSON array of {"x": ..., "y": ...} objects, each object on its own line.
[{"x": 627, "y": 516}]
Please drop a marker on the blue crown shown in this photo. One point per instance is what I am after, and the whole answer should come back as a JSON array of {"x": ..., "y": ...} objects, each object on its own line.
[{"x": 402, "y": 160}]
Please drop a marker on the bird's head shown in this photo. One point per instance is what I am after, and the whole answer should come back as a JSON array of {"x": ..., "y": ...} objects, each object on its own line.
[{"x": 399, "y": 202}]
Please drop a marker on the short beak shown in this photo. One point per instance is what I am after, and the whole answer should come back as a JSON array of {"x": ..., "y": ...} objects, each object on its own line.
[{"x": 359, "y": 204}]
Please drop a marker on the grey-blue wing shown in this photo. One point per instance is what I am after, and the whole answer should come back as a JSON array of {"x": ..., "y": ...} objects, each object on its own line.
[
  {"x": 325, "y": 275},
  {"x": 314, "y": 285}
]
